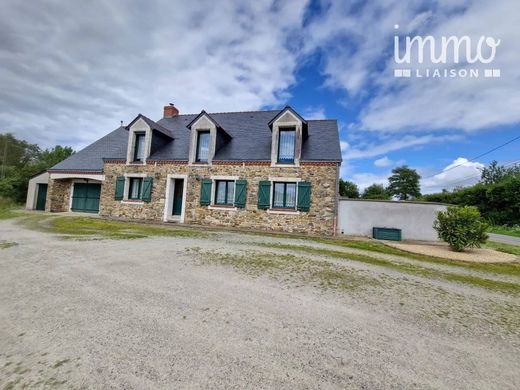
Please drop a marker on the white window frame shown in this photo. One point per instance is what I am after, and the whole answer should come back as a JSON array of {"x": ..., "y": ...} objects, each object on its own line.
[
  {"x": 214, "y": 179},
  {"x": 126, "y": 188},
  {"x": 274, "y": 179}
]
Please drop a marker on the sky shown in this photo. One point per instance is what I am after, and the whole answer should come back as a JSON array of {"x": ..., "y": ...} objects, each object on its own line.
[{"x": 71, "y": 71}]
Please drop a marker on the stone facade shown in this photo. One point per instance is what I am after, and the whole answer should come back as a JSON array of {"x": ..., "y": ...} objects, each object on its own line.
[
  {"x": 58, "y": 195},
  {"x": 319, "y": 219}
]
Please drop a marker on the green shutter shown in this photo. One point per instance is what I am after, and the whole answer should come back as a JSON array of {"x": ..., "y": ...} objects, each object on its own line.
[
  {"x": 304, "y": 196},
  {"x": 147, "y": 189},
  {"x": 240, "y": 193},
  {"x": 120, "y": 187},
  {"x": 264, "y": 192},
  {"x": 205, "y": 192}
]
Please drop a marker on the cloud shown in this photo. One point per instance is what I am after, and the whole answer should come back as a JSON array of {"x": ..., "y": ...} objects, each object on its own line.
[
  {"x": 363, "y": 66},
  {"x": 393, "y": 144},
  {"x": 383, "y": 162},
  {"x": 72, "y": 70},
  {"x": 364, "y": 179},
  {"x": 314, "y": 113},
  {"x": 460, "y": 173}
]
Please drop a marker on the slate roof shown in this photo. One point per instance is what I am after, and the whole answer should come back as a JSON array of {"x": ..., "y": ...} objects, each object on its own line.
[{"x": 250, "y": 141}]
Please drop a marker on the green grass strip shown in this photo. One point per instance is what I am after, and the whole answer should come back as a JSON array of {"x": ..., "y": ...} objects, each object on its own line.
[{"x": 408, "y": 268}]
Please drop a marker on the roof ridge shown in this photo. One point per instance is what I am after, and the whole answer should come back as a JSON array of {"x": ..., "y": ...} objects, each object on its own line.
[{"x": 231, "y": 112}]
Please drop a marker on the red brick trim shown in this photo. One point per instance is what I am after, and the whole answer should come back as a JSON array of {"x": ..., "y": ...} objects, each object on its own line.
[
  {"x": 166, "y": 162},
  {"x": 234, "y": 162},
  {"x": 319, "y": 163},
  {"x": 114, "y": 161}
]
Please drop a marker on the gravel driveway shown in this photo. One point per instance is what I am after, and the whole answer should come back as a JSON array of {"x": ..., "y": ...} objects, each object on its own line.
[{"x": 173, "y": 312}]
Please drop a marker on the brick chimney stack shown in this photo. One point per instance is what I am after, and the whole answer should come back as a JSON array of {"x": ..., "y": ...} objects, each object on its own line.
[{"x": 170, "y": 111}]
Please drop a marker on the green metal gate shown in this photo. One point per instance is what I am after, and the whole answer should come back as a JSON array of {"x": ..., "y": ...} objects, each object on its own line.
[{"x": 85, "y": 197}]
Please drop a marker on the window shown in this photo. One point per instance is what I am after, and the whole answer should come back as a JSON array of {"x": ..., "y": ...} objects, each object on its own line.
[
  {"x": 202, "y": 146},
  {"x": 135, "y": 188},
  {"x": 139, "y": 147},
  {"x": 286, "y": 145},
  {"x": 284, "y": 195},
  {"x": 225, "y": 192}
]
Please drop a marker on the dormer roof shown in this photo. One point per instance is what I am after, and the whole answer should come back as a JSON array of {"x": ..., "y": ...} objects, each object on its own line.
[
  {"x": 153, "y": 125},
  {"x": 282, "y": 112}
]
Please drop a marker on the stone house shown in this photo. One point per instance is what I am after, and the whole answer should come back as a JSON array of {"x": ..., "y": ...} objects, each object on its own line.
[{"x": 266, "y": 170}]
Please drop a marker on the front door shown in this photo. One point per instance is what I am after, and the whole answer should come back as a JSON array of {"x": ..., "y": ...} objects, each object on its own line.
[
  {"x": 177, "y": 197},
  {"x": 42, "y": 197}
]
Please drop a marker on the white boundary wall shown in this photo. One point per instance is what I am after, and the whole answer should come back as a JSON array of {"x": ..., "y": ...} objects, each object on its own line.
[{"x": 357, "y": 217}]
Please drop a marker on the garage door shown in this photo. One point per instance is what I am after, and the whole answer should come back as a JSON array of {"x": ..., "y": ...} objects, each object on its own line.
[{"x": 85, "y": 197}]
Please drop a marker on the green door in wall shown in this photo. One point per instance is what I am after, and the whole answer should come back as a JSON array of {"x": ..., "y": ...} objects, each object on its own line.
[
  {"x": 177, "y": 197},
  {"x": 41, "y": 198},
  {"x": 85, "y": 197}
]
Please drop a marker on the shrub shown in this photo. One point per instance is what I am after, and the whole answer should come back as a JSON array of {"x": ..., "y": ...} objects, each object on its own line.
[{"x": 461, "y": 227}]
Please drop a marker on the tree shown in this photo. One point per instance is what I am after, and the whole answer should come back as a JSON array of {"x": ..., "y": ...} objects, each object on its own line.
[
  {"x": 461, "y": 227},
  {"x": 375, "y": 191},
  {"x": 348, "y": 189},
  {"x": 20, "y": 160},
  {"x": 404, "y": 183},
  {"x": 495, "y": 173}
]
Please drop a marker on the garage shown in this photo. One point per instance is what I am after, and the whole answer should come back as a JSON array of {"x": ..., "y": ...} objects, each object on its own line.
[{"x": 85, "y": 197}]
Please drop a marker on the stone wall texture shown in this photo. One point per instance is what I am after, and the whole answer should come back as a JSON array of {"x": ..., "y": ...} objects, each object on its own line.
[
  {"x": 319, "y": 219},
  {"x": 58, "y": 195}
]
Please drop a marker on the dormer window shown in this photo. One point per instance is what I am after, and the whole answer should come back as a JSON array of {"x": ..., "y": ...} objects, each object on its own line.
[
  {"x": 139, "y": 146},
  {"x": 203, "y": 138},
  {"x": 289, "y": 132},
  {"x": 286, "y": 144}
]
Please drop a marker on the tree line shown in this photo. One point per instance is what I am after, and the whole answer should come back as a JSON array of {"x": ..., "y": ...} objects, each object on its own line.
[
  {"x": 20, "y": 160},
  {"x": 496, "y": 195}
]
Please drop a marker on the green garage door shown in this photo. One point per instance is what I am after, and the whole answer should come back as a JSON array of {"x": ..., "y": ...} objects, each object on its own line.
[{"x": 86, "y": 197}]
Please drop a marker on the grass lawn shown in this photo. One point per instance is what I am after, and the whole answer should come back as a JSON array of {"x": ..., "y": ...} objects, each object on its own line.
[
  {"x": 507, "y": 248},
  {"x": 7, "y": 210},
  {"x": 506, "y": 230},
  {"x": 95, "y": 228}
]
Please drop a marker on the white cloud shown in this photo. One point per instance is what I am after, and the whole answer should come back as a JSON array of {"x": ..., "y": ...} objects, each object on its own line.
[
  {"x": 460, "y": 173},
  {"x": 420, "y": 104},
  {"x": 377, "y": 149},
  {"x": 314, "y": 113},
  {"x": 72, "y": 70},
  {"x": 383, "y": 162},
  {"x": 364, "y": 180}
]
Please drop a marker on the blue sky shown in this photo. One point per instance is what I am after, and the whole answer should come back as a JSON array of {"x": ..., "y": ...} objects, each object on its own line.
[{"x": 71, "y": 71}]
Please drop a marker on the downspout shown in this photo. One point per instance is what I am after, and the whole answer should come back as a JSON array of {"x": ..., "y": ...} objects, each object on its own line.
[{"x": 336, "y": 201}]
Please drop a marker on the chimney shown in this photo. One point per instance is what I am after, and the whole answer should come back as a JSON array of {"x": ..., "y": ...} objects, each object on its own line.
[{"x": 170, "y": 111}]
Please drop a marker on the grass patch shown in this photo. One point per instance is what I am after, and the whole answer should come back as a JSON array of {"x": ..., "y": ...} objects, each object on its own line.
[
  {"x": 404, "y": 267},
  {"x": 513, "y": 231},
  {"x": 7, "y": 244},
  {"x": 289, "y": 268},
  {"x": 501, "y": 247},
  {"x": 8, "y": 210},
  {"x": 92, "y": 228},
  {"x": 511, "y": 269}
]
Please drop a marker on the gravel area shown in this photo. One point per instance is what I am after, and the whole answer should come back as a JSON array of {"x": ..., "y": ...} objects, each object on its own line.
[
  {"x": 441, "y": 249},
  {"x": 221, "y": 312}
]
